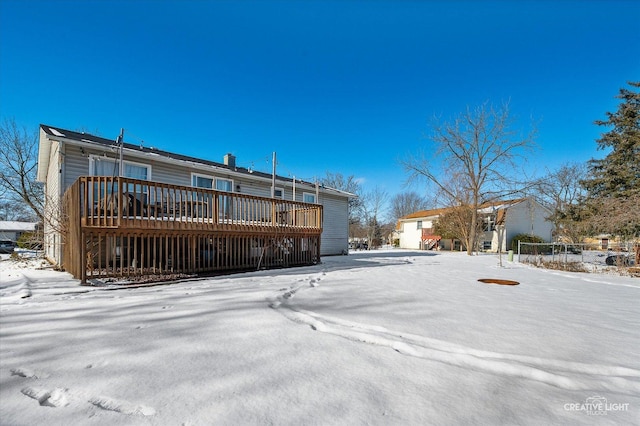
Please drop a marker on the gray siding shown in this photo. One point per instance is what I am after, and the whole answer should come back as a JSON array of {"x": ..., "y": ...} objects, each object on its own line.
[
  {"x": 335, "y": 233},
  {"x": 336, "y": 222}
]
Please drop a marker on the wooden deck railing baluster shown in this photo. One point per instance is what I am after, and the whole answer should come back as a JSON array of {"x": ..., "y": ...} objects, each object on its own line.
[{"x": 122, "y": 227}]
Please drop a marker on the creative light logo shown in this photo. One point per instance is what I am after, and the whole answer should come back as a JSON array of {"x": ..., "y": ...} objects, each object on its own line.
[{"x": 596, "y": 406}]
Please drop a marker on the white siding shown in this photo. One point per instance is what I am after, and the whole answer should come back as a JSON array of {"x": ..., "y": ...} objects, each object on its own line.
[
  {"x": 527, "y": 217},
  {"x": 52, "y": 247},
  {"x": 410, "y": 235}
]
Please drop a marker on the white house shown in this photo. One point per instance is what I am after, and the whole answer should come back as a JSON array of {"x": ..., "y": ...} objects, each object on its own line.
[
  {"x": 501, "y": 221},
  {"x": 12, "y": 230}
]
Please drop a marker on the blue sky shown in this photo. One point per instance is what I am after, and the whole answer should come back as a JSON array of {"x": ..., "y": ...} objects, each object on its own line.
[{"x": 341, "y": 86}]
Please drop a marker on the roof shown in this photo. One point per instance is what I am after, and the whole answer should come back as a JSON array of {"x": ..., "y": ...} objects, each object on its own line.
[
  {"x": 11, "y": 225},
  {"x": 56, "y": 133},
  {"x": 483, "y": 208},
  {"x": 426, "y": 213}
]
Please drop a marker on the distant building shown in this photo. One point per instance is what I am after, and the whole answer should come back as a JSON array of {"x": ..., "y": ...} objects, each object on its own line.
[
  {"x": 512, "y": 217},
  {"x": 12, "y": 230}
]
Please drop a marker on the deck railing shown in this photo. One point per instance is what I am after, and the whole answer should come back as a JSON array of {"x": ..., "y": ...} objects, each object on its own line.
[
  {"x": 120, "y": 226},
  {"x": 108, "y": 202}
]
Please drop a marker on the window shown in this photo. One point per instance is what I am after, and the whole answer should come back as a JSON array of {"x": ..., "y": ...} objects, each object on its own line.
[
  {"x": 308, "y": 197},
  {"x": 279, "y": 193},
  {"x": 486, "y": 245},
  {"x": 200, "y": 181},
  {"x": 224, "y": 185},
  {"x": 489, "y": 224},
  {"x": 103, "y": 166},
  {"x": 210, "y": 182},
  {"x": 419, "y": 223},
  {"x": 224, "y": 201},
  {"x": 219, "y": 184}
]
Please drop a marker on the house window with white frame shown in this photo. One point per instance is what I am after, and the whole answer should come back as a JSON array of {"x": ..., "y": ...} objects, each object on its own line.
[
  {"x": 105, "y": 166},
  {"x": 489, "y": 223},
  {"x": 219, "y": 184},
  {"x": 278, "y": 193},
  {"x": 419, "y": 224},
  {"x": 309, "y": 197},
  {"x": 201, "y": 181}
]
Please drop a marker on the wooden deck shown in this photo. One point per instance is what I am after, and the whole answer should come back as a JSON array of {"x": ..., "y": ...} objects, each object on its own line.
[{"x": 121, "y": 227}]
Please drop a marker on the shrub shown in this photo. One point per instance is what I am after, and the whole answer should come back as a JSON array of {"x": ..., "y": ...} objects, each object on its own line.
[
  {"x": 30, "y": 241},
  {"x": 527, "y": 238}
]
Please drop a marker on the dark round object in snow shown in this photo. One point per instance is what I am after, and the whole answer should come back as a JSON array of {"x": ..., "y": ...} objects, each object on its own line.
[{"x": 498, "y": 281}]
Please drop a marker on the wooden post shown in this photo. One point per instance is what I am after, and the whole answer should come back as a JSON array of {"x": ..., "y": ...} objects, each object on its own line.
[{"x": 83, "y": 258}]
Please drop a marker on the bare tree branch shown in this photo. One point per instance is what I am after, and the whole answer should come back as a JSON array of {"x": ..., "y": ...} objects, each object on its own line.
[{"x": 474, "y": 160}]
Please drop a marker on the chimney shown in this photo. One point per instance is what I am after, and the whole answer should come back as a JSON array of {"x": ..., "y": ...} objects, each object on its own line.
[{"x": 230, "y": 160}]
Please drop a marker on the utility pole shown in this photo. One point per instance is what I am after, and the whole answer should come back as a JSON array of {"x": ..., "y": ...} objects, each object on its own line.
[{"x": 121, "y": 140}]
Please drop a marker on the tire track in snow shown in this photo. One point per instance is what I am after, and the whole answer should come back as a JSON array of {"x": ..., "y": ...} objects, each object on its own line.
[{"x": 562, "y": 374}]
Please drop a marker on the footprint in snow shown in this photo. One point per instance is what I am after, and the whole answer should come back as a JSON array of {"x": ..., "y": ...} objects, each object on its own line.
[
  {"x": 123, "y": 407},
  {"x": 97, "y": 364},
  {"x": 57, "y": 397},
  {"x": 28, "y": 373}
]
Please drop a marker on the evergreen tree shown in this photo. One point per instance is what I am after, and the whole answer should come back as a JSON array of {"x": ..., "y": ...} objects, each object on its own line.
[
  {"x": 613, "y": 187},
  {"x": 618, "y": 174}
]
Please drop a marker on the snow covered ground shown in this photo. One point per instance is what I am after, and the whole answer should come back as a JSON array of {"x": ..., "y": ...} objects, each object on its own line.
[{"x": 384, "y": 338}]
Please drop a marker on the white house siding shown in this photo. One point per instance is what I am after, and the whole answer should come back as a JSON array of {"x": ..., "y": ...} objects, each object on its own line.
[
  {"x": 335, "y": 232},
  {"x": 52, "y": 244},
  {"x": 525, "y": 217},
  {"x": 528, "y": 218},
  {"x": 410, "y": 235}
]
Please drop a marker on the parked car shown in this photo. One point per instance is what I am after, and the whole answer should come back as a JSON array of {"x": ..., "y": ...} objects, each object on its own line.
[
  {"x": 617, "y": 260},
  {"x": 574, "y": 250},
  {"x": 7, "y": 246}
]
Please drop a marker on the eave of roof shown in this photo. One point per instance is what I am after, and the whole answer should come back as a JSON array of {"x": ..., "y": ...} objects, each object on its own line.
[
  {"x": 437, "y": 212},
  {"x": 56, "y": 133}
]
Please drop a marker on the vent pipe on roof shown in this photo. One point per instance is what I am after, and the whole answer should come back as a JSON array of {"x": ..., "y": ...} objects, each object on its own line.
[{"x": 230, "y": 160}]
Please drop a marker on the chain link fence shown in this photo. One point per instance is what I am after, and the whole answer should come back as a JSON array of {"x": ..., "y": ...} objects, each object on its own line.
[{"x": 579, "y": 257}]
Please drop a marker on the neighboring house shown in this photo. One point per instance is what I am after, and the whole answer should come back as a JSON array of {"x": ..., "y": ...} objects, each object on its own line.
[
  {"x": 171, "y": 212},
  {"x": 501, "y": 221},
  {"x": 11, "y": 230}
]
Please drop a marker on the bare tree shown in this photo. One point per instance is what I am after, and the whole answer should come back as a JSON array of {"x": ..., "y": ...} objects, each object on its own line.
[
  {"x": 479, "y": 148},
  {"x": 371, "y": 210},
  {"x": 18, "y": 168},
  {"x": 15, "y": 210},
  {"x": 561, "y": 191},
  {"x": 348, "y": 184},
  {"x": 406, "y": 203}
]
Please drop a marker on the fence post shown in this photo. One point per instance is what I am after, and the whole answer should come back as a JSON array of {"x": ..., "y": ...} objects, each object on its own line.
[{"x": 519, "y": 250}]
